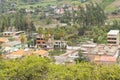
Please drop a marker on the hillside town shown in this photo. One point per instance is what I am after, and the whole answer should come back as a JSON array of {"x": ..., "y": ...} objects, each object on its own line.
[
  {"x": 14, "y": 45},
  {"x": 61, "y": 33},
  {"x": 59, "y": 39}
]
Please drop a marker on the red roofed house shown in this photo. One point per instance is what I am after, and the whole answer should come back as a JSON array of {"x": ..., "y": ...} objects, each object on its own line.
[
  {"x": 16, "y": 54},
  {"x": 104, "y": 59},
  {"x": 3, "y": 40},
  {"x": 42, "y": 53}
]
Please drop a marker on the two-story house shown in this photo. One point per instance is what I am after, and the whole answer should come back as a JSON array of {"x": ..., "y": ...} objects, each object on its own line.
[{"x": 40, "y": 41}]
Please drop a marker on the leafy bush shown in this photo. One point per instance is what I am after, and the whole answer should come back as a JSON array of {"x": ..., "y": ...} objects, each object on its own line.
[{"x": 37, "y": 68}]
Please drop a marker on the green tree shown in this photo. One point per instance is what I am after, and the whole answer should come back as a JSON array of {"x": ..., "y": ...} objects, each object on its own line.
[
  {"x": 23, "y": 39},
  {"x": 40, "y": 30},
  {"x": 81, "y": 57},
  {"x": 1, "y": 50},
  {"x": 3, "y": 23},
  {"x": 37, "y": 68}
]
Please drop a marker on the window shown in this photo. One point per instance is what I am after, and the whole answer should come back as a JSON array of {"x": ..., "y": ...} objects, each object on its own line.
[
  {"x": 38, "y": 42},
  {"x": 112, "y": 38},
  {"x": 43, "y": 42},
  {"x": 8, "y": 33},
  {"x": 112, "y": 42}
]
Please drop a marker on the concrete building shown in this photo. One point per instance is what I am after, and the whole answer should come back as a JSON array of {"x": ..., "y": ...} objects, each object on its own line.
[
  {"x": 41, "y": 42},
  {"x": 9, "y": 33},
  {"x": 58, "y": 44},
  {"x": 101, "y": 53},
  {"x": 113, "y": 37},
  {"x": 105, "y": 59}
]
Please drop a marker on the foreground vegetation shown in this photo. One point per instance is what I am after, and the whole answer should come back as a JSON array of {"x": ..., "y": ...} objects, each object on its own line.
[{"x": 36, "y": 68}]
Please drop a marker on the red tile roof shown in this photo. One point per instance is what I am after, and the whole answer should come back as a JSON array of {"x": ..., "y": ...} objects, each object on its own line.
[
  {"x": 105, "y": 58},
  {"x": 40, "y": 52},
  {"x": 18, "y": 52},
  {"x": 3, "y": 40}
]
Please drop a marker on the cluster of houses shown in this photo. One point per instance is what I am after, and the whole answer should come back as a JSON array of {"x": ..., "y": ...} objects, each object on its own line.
[
  {"x": 50, "y": 43},
  {"x": 13, "y": 48},
  {"x": 96, "y": 53},
  {"x": 104, "y": 53}
]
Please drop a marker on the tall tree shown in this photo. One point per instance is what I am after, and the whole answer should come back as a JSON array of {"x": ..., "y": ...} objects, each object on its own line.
[{"x": 23, "y": 39}]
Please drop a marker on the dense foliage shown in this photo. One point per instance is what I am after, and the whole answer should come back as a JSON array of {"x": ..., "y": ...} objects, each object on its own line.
[
  {"x": 17, "y": 21},
  {"x": 30, "y": 1},
  {"x": 105, "y": 3},
  {"x": 36, "y": 68},
  {"x": 89, "y": 15}
]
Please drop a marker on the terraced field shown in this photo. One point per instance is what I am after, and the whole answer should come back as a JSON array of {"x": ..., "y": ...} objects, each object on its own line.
[{"x": 112, "y": 6}]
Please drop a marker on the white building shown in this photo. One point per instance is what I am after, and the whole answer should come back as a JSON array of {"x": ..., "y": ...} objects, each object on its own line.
[
  {"x": 113, "y": 37},
  {"x": 60, "y": 44},
  {"x": 9, "y": 33}
]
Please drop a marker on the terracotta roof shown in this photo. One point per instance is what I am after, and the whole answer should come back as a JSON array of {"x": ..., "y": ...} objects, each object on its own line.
[
  {"x": 3, "y": 56},
  {"x": 97, "y": 58},
  {"x": 40, "y": 52},
  {"x": 3, "y": 40},
  {"x": 103, "y": 50},
  {"x": 105, "y": 58},
  {"x": 18, "y": 52}
]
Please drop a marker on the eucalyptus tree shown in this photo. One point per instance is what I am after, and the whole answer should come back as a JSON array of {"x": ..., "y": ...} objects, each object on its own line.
[
  {"x": 3, "y": 23},
  {"x": 23, "y": 40}
]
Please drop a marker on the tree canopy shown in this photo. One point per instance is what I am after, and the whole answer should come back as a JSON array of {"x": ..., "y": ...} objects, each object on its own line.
[{"x": 37, "y": 68}]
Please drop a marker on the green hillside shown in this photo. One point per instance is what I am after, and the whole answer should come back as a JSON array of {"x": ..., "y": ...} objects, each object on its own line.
[{"x": 106, "y": 4}]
